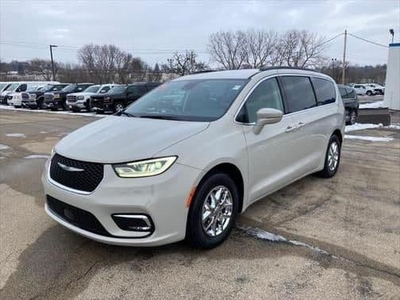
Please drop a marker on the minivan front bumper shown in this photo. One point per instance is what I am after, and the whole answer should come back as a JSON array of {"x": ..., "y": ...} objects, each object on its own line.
[{"x": 162, "y": 198}]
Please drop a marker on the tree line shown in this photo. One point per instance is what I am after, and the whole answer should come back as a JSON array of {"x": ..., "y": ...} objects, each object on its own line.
[{"x": 228, "y": 50}]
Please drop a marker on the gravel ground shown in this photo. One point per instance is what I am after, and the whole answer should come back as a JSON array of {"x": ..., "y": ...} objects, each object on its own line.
[{"x": 346, "y": 233}]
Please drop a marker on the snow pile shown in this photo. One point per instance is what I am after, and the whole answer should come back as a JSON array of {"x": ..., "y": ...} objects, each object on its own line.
[
  {"x": 377, "y": 104},
  {"x": 394, "y": 126},
  {"x": 368, "y": 138},
  {"x": 4, "y": 147},
  {"x": 21, "y": 135},
  {"x": 37, "y": 156}
]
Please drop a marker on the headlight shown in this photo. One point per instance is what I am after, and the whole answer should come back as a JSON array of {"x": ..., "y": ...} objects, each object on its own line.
[
  {"x": 56, "y": 96},
  {"x": 144, "y": 168},
  {"x": 52, "y": 152},
  {"x": 80, "y": 98}
]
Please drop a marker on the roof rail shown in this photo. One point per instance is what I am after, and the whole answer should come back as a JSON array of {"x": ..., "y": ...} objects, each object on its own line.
[
  {"x": 204, "y": 71},
  {"x": 286, "y": 68}
]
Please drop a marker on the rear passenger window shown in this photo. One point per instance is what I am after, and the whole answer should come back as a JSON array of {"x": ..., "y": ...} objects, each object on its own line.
[
  {"x": 299, "y": 93},
  {"x": 265, "y": 95},
  {"x": 325, "y": 91}
]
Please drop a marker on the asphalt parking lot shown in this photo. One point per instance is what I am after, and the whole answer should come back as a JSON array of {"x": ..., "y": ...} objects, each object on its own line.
[{"x": 338, "y": 238}]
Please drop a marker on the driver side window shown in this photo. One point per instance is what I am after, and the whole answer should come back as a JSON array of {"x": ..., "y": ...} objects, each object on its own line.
[{"x": 265, "y": 95}]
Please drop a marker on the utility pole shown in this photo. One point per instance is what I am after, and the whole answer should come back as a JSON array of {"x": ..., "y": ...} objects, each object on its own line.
[
  {"x": 52, "y": 62},
  {"x": 344, "y": 58}
]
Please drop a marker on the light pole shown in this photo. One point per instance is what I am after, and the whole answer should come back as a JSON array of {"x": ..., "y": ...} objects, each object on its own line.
[
  {"x": 52, "y": 62},
  {"x": 333, "y": 68},
  {"x": 391, "y": 31}
]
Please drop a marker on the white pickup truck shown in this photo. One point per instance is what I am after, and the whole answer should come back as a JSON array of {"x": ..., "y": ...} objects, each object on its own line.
[{"x": 81, "y": 100}]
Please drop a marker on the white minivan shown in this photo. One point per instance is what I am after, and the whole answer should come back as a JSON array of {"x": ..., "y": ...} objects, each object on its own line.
[{"x": 186, "y": 158}]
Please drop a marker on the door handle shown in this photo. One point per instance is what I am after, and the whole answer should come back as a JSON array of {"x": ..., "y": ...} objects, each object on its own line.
[
  {"x": 290, "y": 128},
  {"x": 301, "y": 124}
]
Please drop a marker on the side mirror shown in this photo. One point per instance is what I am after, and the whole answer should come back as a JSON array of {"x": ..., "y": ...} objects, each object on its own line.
[{"x": 267, "y": 116}]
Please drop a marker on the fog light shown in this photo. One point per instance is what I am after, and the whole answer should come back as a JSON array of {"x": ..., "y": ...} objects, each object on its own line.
[{"x": 133, "y": 222}]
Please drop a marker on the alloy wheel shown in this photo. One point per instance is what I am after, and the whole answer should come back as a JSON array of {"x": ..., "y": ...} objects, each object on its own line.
[
  {"x": 217, "y": 211},
  {"x": 333, "y": 156}
]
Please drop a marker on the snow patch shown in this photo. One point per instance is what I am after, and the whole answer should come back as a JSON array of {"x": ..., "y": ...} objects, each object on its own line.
[
  {"x": 368, "y": 138},
  {"x": 394, "y": 126},
  {"x": 21, "y": 135},
  {"x": 377, "y": 104},
  {"x": 52, "y": 112},
  {"x": 37, "y": 156},
  {"x": 276, "y": 238},
  {"x": 43, "y": 132},
  {"x": 359, "y": 126},
  {"x": 4, "y": 147}
]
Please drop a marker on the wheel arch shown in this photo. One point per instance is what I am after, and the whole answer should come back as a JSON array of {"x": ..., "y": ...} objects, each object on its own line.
[
  {"x": 232, "y": 171},
  {"x": 339, "y": 135}
]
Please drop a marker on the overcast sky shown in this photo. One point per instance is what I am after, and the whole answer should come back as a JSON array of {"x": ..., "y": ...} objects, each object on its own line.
[{"x": 155, "y": 29}]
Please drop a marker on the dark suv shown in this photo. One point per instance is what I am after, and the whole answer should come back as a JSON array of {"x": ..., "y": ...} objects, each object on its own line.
[
  {"x": 36, "y": 98},
  {"x": 56, "y": 100},
  {"x": 350, "y": 101},
  {"x": 121, "y": 96}
]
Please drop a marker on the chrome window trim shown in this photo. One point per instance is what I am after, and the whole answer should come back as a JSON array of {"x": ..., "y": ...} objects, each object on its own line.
[{"x": 282, "y": 75}]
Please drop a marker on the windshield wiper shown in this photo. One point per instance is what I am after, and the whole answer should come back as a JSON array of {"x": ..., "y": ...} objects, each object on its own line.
[
  {"x": 126, "y": 114},
  {"x": 160, "y": 117}
]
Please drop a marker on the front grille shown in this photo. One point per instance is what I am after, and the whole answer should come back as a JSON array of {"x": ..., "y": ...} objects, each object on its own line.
[
  {"x": 71, "y": 98},
  {"x": 84, "y": 176},
  {"x": 48, "y": 97},
  {"x": 76, "y": 216}
]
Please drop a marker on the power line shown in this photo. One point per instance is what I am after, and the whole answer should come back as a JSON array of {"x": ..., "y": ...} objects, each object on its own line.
[
  {"x": 330, "y": 40},
  {"x": 368, "y": 41}
]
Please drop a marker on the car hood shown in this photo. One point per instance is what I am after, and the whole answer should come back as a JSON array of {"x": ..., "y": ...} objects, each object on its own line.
[
  {"x": 82, "y": 94},
  {"x": 122, "y": 139}
]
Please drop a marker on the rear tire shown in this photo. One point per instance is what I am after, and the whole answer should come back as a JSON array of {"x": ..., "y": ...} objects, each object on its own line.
[
  {"x": 369, "y": 93},
  {"x": 213, "y": 211},
  {"x": 352, "y": 117},
  {"x": 332, "y": 158}
]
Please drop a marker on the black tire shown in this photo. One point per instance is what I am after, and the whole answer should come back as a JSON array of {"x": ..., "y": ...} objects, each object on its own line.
[
  {"x": 39, "y": 103},
  {"x": 65, "y": 106},
  {"x": 369, "y": 93},
  {"x": 328, "y": 171},
  {"x": 118, "y": 106},
  {"x": 195, "y": 233},
  {"x": 88, "y": 105},
  {"x": 352, "y": 117}
]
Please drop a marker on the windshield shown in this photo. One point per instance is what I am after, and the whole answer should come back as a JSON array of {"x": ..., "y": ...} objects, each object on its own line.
[
  {"x": 2, "y": 85},
  {"x": 57, "y": 87},
  {"x": 69, "y": 88},
  {"x": 92, "y": 89},
  {"x": 118, "y": 89},
  {"x": 12, "y": 87},
  {"x": 189, "y": 100}
]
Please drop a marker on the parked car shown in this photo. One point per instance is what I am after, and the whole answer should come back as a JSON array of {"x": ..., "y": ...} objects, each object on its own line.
[
  {"x": 36, "y": 98},
  {"x": 58, "y": 99},
  {"x": 378, "y": 89},
  {"x": 121, "y": 96},
  {"x": 350, "y": 101},
  {"x": 16, "y": 98},
  {"x": 362, "y": 89},
  {"x": 81, "y": 100},
  {"x": 186, "y": 158},
  {"x": 12, "y": 88}
]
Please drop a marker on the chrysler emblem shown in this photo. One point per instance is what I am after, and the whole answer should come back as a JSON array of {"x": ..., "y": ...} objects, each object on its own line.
[{"x": 69, "y": 169}]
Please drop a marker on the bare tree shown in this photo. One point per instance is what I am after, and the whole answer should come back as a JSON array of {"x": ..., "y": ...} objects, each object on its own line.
[
  {"x": 43, "y": 68},
  {"x": 183, "y": 64},
  {"x": 299, "y": 49},
  {"x": 228, "y": 48},
  {"x": 260, "y": 47},
  {"x": 155, "y": 74}
]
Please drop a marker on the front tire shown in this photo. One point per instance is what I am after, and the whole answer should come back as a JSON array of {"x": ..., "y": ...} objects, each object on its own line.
[
  {"x": 369, "y": 93},
  {"x": 352, "y": 117},
  {"x": 118, "y": 106},
  {"x": 213, "y": 212},
  {"x": 332, "y": 158}
]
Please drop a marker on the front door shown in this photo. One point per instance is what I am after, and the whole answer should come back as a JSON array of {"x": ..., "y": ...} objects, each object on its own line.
[{"x": 270, "y": 152}]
